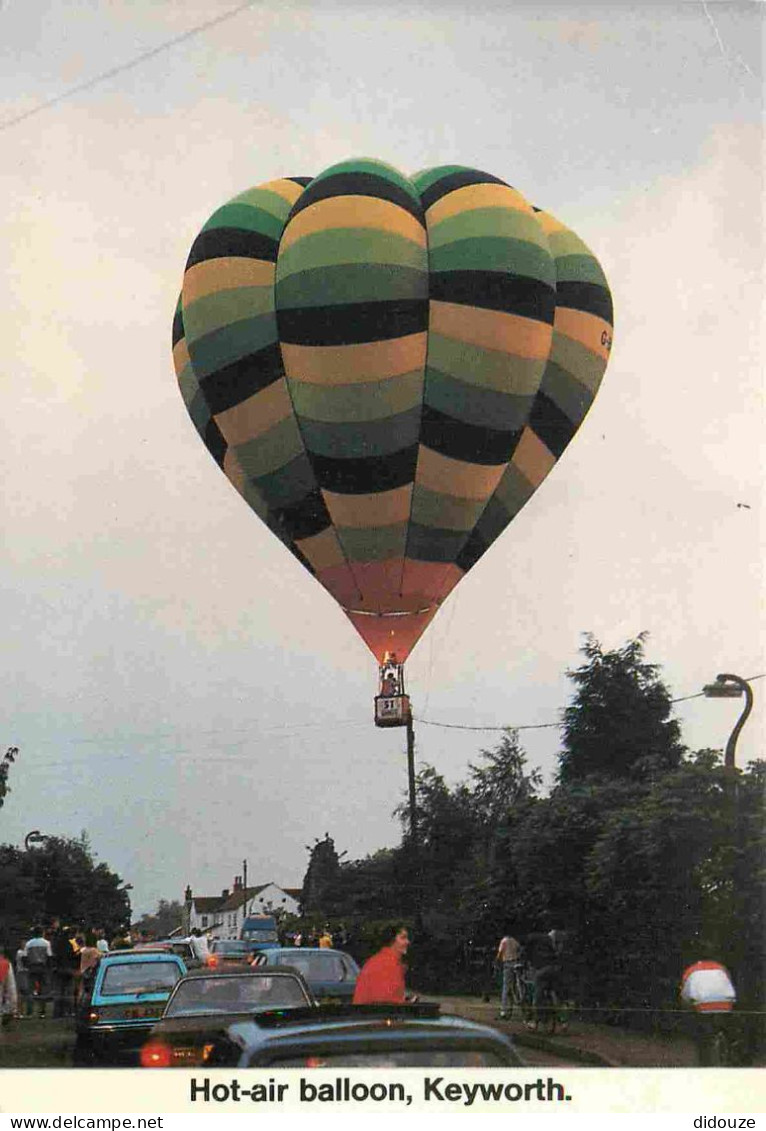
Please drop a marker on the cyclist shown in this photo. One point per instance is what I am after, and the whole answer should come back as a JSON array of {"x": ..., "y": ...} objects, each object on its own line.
[
  {"x": 706, "y": 987},
  {"x": 508, "y": 952}
]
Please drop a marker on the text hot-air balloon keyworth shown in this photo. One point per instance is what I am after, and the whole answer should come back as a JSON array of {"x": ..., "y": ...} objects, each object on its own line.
[{"x": 386, "y": 368}]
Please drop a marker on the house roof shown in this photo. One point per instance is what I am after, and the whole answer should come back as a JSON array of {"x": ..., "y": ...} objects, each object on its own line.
[
  {"x": 205, "y": 903},
  {"x": 238, "y": 897}
]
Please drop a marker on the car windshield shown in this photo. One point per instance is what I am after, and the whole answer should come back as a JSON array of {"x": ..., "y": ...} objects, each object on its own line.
[
  {"x": 231, "y": 946},
  {"x": 317, "y": 967},
  {"x": 139, "y": 978},
  {"x": 393, "y": 1058},
  {"x": 235, "y": 994},
  {"x": 257, "y": 935}
]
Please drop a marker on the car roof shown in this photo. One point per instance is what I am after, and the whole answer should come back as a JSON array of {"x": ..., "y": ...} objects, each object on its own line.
[
  {"x": 344, "y": 1024},
  {"x": 119, "y": 956},
  {"x": 304, "y": 950},
  {"x": 242, "y": 971}
]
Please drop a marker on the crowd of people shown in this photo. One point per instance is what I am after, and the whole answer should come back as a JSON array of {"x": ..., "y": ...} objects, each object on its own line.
[{"x": 47, "y": 970}]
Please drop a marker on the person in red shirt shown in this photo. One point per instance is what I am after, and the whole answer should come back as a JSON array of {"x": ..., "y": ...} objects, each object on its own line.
[{"x": 382, "y": 977}]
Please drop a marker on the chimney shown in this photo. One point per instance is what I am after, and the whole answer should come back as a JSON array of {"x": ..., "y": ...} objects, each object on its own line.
[
  {"x": 225, "y": 893},
  {"x": 238, "y": 883},
  {"x": 188, "y": 894}
]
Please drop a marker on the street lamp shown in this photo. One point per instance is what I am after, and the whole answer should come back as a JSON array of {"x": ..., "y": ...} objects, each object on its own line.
[
  {"x": 33, "y": 838},
  {"x": 731, "y": 687}
]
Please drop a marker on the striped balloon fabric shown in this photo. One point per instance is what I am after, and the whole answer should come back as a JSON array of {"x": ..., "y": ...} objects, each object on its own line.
[{"x": 386, "y": 368}]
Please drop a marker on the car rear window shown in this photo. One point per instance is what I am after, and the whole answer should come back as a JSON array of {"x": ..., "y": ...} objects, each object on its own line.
[
  {"x": 317, "y": 967},
  {"x": 231, "y": 946},
  {"x": 244, "y": 994},
  {"x": 139, "y": 978}
]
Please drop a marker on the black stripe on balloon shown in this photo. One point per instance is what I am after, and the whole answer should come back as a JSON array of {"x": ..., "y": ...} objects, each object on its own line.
[
  {"x": 554, "y": 428},
  {"x": 347, "y": 324},
  {"x": 588, "y": 297},
  {"x": 496, "y": 290},
  {"x": 493, "y": 521},
  {"x": 241, "y": 243},
  {"x": 178, "y": 326},
  {"x": 215, "y": 442},
  {"x": 302, "y": 559},
  {"x": 453, "y": 181},
  {"x": 302, "y": 181},
  {"x": 358, "y": 184},
  {"x": 432, "y": 544},
  {"x": 302, "y": 519},
  {"x": 234, "y": 383},
  {"x": 366, "y": 475},
  {"x": 470, "y": 443},
  {"x": 473, "y": 549}
]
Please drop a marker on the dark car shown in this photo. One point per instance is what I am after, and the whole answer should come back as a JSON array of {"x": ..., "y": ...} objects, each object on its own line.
[
  {"x": 331, "y": 974},
  {"x": 121, "y": 1000},
  {"x": 204, "y": 1004},
  {"x": 362, "y": 1036},
  {"x": 228, "y": 952}
]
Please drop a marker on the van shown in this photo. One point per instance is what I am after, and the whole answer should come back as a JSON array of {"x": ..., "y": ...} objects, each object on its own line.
[{"x": 261, "y": 931}]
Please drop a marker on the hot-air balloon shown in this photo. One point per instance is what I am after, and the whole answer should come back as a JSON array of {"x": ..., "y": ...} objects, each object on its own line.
[{"x": 386, "y": 368}]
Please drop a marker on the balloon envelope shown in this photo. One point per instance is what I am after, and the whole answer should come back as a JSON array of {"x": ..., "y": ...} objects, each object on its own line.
[{"x": 386, "y": 368}]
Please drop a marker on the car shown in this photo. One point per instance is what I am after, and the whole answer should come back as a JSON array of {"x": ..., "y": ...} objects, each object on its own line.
[
  {"x": 205, "y": 1003},
  {"x": 225, "y": 952},
  {"x": 194, "y": 951},
  {"x": 331, "y": 974},
  {"x": 121, "y": 1000},
  {"x": 362, "y": 1036}
]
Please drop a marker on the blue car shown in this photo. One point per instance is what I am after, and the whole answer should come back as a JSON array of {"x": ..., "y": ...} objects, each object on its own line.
[
  {"x": 362, "y": 1036},
  {"x": 331, "y": 974},
  {"x": 121, "y": 1000}
]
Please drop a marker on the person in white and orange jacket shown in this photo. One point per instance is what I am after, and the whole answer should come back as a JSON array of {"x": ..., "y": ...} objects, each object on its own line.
[{"x": 706, "y": 987}]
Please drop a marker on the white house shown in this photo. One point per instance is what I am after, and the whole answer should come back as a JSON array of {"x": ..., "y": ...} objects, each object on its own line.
[{"x": 222, "y": 916}]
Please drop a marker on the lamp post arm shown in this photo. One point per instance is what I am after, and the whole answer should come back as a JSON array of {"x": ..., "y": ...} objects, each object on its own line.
[{"x": 731, "y": 745}]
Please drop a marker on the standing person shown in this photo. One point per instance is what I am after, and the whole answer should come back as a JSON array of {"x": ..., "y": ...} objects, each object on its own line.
[
  {"x": 90, "y": 956},
  {"x": 325, "y": 939},
  {"x": 22, "y": 978},
  {"x": 382, "y": 977},
  {"x": 9, "y": 998},
  {"x": 65, "y": 964},
  {"x": 707, "y": 988},
  {"x": 38, "y": 958},
  {"x": 545, "y": 971},
  {"x": 101, "y": 942},
  {"x": 508, "y": 952}
]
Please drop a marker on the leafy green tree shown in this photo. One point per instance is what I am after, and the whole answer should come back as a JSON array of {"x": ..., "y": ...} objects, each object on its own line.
[
  {"x": 619, "y": 723},
  {"x": 59, "y": 879}
]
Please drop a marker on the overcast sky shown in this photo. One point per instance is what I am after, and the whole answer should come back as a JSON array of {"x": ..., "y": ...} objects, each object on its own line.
[{"x": 177, "y": 685}]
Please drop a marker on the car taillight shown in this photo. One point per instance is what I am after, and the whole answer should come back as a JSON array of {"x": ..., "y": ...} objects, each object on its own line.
[
  {"x": 155, "y": 1054},
  {"x": 93, "y": 1016},
  {"x": 212, "y": 960}
]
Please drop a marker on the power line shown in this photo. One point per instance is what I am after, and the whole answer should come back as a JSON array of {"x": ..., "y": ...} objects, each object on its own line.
[
  {"x": 121, "y": 67},
  {"x": 546, "y": 726}
]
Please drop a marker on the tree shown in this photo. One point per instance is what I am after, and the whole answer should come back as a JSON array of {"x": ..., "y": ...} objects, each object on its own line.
[
  {"x": 618, "y": 724},
  {"x": 321, "y": 876},
  {"x": 61, "y": 880},
  {"x": 5, "y": 764},
  {"x": 166, "y": 919}
]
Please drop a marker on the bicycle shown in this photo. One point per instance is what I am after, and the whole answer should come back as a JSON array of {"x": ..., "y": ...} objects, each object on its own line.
[{"x": 521, "y": 990}]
